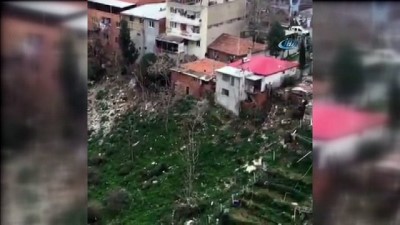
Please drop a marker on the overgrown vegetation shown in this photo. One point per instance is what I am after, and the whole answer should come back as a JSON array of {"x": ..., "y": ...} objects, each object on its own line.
[
  {"x": 129, "y": 52},
  {"x": 157, "y": 178}
]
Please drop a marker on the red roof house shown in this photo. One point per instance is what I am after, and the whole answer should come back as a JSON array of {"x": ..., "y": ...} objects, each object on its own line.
[
  {"x": 332, "y": 121},
  {"x": 264, "y": 66}
]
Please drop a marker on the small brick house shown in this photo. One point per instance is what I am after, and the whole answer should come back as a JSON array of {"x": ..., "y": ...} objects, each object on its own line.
[
  {"x": 228, "y": 48},
  {"x": 195, "y": 78}
]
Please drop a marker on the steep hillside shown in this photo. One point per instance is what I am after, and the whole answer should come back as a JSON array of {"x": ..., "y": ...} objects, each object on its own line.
[{"x": 146, "y": 154}]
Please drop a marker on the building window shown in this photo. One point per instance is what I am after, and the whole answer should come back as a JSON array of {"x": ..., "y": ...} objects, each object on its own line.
[
  {"x": 173, "y": 10},
  {"x": 232, "y": 81},
  {"x": 187, "y": 90},
  {"x": 131, "y": 18},
  {"x": 173, "y": 24},
  {"x": 106, "y": 20},
  {"x": 225, "y": 92},
  {"x": 151, "y": 23},
  {"x": 196, "y": 30},
  {"x": 138, "y": 34},
  {"x": 225, "y": 77},
  {"x": 198, "y": 43},
  {"x": 116, "y": 39},
  {"x": 118, "y": 24}
]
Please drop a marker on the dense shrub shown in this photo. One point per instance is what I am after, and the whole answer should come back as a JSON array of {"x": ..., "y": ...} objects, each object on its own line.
[
  {"x": 118, "y": 200},
  {"x": 288, "y": 81},
  {"x": 94, "y": 212},
  {"x": 93, "y": 176}
]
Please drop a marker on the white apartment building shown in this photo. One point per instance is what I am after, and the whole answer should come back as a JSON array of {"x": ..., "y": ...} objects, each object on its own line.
[{"x": 191, "y": 25}]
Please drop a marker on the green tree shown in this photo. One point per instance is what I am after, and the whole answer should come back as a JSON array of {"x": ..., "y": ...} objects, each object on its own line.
[
  {"x": 145, "y": 62},
  {"x": 302, "y": 57},
  {"x": 128, "y": 49},
  {"x": 275, "y": 35},
  {"x": 97, "y": 59},
  {"x": 347, "y": 73}
]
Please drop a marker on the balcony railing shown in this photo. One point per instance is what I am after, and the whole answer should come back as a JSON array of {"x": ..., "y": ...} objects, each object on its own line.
[
  {"x": 185, "y": 19},
  {"x": 184, "y": 34}
]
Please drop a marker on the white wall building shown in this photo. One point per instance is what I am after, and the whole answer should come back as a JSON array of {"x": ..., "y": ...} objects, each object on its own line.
[
  {"x": 193, "y": 24},
  {"x": 249, "y": 77}
]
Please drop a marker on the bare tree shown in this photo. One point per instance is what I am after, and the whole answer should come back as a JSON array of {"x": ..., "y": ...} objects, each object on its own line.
[{"x": 190, "y": 152}]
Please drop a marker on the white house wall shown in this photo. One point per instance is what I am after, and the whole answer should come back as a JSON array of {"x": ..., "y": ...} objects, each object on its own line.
[
  {"x": 276, "y": 79},
  {"x": 345, "y": 149},
  {"x": 231, "y": 102}
]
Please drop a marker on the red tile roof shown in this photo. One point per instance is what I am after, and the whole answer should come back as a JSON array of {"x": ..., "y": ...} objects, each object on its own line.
[
  {"x": 332, "y": 121},
  {"x": 233, "y": 45},
  {"x": 264, "y": 65},
  {"x": 200, "y": 68}
]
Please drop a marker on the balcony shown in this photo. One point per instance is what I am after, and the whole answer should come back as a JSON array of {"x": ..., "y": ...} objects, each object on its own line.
[
  {"x": 184, "y": 34},
  {"x": 185, "y": 19}
]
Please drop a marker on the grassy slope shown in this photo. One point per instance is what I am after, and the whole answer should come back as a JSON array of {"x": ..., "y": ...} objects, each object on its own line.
[{"x": 224, "y": 146}]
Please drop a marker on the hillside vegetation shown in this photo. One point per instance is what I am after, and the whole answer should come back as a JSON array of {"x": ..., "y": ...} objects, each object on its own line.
[{"x": 141, "y": 173}]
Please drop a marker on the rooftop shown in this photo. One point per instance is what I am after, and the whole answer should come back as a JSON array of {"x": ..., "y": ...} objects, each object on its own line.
[
  {"x": 202, "y": 69},
  {"x": 332, "y": 121},
  {"x": 144, "y": 2},
  {"x": 113, "y": 3},
  {"x": 264, "y": 65},
  {"x": 234, "y": 45},
  {"x": 61, "y": 9},
  {"x": 155, "y": 11},
  {"x": 232, "y": 71}
]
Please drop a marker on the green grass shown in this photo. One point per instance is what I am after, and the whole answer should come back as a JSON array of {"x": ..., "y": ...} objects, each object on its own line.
[{"x": 224, "y": 146}]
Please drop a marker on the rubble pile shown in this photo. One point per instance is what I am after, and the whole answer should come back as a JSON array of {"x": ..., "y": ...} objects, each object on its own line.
[{"x": 105, "y": 104}]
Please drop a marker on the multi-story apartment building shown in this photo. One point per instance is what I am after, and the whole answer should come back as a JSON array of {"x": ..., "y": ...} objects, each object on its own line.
[
  {"x": 145, "y": 22},
  {"x": 193, "y": 24},
  {"x": 104, "y": 19}
]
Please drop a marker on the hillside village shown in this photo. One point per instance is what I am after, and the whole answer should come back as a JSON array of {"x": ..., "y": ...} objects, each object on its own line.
[{"x": 197, "y": 117}]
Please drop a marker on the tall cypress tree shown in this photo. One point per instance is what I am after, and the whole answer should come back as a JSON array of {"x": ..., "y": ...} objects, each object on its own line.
[
  {"x": 128, "y": 48},
  {"x": 302, "y": 57},
  {"x": 394, "y": 102}
]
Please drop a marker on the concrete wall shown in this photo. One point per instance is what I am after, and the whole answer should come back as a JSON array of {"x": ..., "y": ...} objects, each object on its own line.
[
  {"x": 228, "y": 14},
  {"x": 231, "y": 102},
  {"x": 137, "y": 32},
  {"x": 150, "y": 35}
]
